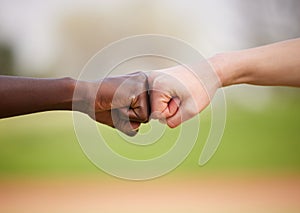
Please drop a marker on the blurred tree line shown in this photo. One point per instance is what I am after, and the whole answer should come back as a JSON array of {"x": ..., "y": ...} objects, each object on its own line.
[{"x": 6, "y": 60}]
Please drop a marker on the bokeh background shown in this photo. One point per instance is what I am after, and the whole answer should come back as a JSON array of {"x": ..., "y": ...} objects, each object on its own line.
[{"x": 42, "y": 167}]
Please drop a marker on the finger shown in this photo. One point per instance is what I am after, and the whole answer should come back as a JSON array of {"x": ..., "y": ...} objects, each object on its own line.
[
  {"x": 173, "y": 106},
  {"x": 139, "y": 109},
  {"x": 186, "y": 111},
  {"x": 131, "y": 97},
  {"x": 130, "y": 128},
  {"x": 130, "y": 89},
  {"x": 175, "y": 120},
  {"x": 159, "y": 104},
  {"x": 124, "y": 125},
  {"x": 112, "y": 119},
  {"x": 133, "y": 115},
  {"x": 105, "y": 118}
]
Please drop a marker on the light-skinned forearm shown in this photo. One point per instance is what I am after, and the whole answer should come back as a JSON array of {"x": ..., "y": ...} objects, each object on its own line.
[{"x": 276, "y": 64}]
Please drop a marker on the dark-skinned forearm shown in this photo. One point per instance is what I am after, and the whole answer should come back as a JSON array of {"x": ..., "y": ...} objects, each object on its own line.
[{"x": 21, "y": 95}]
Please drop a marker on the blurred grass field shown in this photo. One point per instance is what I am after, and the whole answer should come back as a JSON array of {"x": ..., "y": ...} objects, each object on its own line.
[
  {"x": 268, "y": 140},
  {"x": 255, "y": 169}
]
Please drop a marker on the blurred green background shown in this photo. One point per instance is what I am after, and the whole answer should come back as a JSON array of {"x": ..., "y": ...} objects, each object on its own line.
[
  {"x": 263, "y": 141},
  {"x": 42, "y": 166},
  {"x": 57, "y": 38}
]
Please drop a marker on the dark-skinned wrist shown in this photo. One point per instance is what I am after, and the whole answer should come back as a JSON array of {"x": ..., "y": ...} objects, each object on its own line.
[{"x": 84, "y": 95}]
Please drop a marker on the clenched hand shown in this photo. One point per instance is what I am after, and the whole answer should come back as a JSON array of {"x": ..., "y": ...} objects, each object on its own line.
[{"x": 121, "y": 102}]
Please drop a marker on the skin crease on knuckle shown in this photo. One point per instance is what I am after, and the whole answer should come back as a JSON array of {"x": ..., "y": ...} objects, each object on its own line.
[
  {"x": 140, "y": 101},
  {"x": 138, "y": 108},
  {"x": 124, "y": 125},
  {"x": 160, "y": 94},
  {"x": 186, "y": 89},
  {"x": 142, "y": 113}
]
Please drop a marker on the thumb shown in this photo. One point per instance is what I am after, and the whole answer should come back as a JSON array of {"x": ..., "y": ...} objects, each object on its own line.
[
  {"x": 186, "y": 111},
  {"x": 159, "y": 104},
  {"x": 172, "y": 108}
]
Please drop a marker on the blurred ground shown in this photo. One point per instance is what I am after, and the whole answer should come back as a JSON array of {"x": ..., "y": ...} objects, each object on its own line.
[
  {"x": 185, "y": 193},
  {"x": 256, "y": 168}
]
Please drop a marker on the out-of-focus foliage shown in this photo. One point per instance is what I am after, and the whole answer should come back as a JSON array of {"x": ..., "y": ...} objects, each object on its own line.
[
  {"x": 254, "y": 141},
  {"x": 6, "y": 60},
  {"x": 56, "y": 38}
]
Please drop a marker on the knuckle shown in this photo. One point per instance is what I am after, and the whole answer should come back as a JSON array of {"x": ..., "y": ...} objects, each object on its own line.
[
  {"x": 140, "y": 77},
  {"x": 143, "y": 114},
  {"x": 158, "y": 82}
]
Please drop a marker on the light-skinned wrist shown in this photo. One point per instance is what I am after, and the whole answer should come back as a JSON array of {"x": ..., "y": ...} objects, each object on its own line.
[{"x": 231, "y": 67}]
